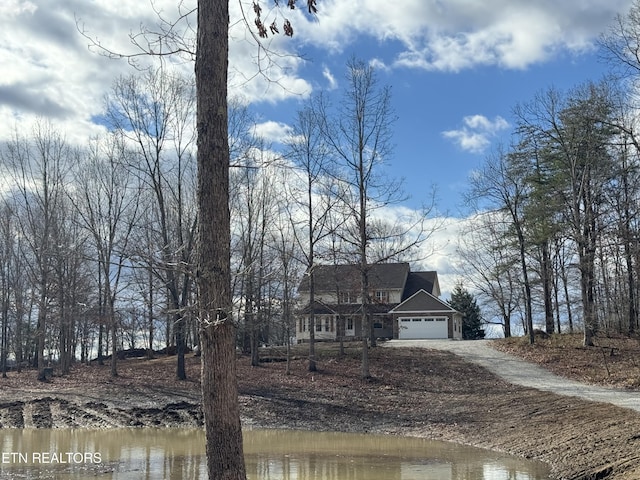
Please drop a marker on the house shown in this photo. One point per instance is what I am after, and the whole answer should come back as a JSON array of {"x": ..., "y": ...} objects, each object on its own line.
[{"x": 404, "y": 304}]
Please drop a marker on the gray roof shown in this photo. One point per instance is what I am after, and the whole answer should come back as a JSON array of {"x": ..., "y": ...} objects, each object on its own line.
[
  {"x": 423, "y": 301},
  {"x": 419, "y": 281},
  {"x": 382, "y": 276},
  {"x": 346, "y": 278}
]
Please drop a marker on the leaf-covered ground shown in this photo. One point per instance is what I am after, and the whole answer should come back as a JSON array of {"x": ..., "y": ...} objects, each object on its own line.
[
  {"x": 413, "y": 392},
  {"x": 614, "y": 361}
]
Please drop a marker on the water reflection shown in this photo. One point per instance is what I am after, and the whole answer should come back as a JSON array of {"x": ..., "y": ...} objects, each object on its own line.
[
  {"x": 276, "y": 455},
  {"x": 270, "y": 455}
]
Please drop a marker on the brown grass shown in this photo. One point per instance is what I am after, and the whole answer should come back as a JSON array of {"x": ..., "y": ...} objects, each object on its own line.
[{"x": 614, "y": 361}]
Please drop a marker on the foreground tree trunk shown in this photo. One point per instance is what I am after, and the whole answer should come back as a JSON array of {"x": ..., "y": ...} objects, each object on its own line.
[{"x": 225, "y": 460}]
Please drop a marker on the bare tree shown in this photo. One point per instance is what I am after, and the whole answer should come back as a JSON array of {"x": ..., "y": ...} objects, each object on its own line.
[
  {"x": 253, "y": 207},
  {"x": 7, "y": 265},
  {"x": 358, "y": 133},
  {"x": 286, "y": 248},
  {"x": 312, "y": 200},
  {"x": 39, "y": 166},
  {"x": 223, "y": 432},
  {"x": 155, "y": 113},
  {"x": 70, "y": 281},
  {"x": 499, "y": 187},
  {"x": 219, "y": 386},
  {"x": 107, "y": 204},
  {"x": 491, "y": 263}
]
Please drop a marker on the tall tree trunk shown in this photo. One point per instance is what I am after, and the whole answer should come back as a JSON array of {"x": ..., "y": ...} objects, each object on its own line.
[
  {"x": 225, "y": 459},
  {"x": 525, "y": 280},
  {"x": 101, "y": 316},
  {"x": 150, "y": 353},
  {"x": 364, "y": 291},
  {"x": 5, "y": 329},
  {"x": 40, "y": 334},
  {"x": 631, "y": 285},
  {"x": 114, "y": 338},
  {"x": 587, "y": 254},
  {"x": 312, "y": 367},
  {"x": 181, "y": 345},
  {"x": 547, "y": 287}
]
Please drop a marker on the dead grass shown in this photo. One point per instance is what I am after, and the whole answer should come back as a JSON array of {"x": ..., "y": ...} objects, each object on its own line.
[
  {"x": 614, "y": 361},
  {"x": 413, "y": 392}
]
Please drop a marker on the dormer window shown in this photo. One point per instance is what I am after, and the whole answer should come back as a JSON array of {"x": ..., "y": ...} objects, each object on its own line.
[
  {"x": 348, "y": 297},
  {"x": 381, "y": 296}
]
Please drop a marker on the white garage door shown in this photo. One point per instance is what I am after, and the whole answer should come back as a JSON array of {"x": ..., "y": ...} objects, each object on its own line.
[{"x": 416, "y": 328}]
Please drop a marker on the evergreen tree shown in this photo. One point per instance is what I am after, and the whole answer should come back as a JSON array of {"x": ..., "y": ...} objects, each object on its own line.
[{"x": 464, "y": 302}]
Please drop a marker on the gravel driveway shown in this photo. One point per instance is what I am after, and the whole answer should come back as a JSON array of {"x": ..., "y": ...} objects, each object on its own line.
[{"x": 523, "y": 373}]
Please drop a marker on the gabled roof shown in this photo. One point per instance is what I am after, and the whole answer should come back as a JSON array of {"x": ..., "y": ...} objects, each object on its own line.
[
  {"x": 422, "y": 301},
  {"x": 416, "y": 281},
  {"x": 346, "y": 278}
]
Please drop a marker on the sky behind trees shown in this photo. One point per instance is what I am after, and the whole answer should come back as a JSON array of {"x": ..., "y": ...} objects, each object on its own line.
[{"x": 456, "y": 70}]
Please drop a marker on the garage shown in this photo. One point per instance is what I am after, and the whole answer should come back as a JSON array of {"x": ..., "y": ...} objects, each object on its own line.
[{"x": 422, "y": 328}]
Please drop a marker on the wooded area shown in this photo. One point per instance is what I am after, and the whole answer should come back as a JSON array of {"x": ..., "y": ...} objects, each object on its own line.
[
  {"x": 100, "y": 241},
  {"x": 554, "y": 236}
]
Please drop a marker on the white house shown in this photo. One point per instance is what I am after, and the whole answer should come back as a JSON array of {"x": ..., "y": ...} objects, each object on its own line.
[{"x": 403, "y": 304}]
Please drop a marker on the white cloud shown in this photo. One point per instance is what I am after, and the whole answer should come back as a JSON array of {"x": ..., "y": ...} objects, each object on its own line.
[
  {"x": 333, "y": 83},
  {"x": 379, "y": 64},
  {"x": 459, "y": 34},
  {"x": 477, "y": 132},
  {"x": 49, "y": 71},
  {"x": 16, "y": 7},
  {"x": 273, "y": 131}
]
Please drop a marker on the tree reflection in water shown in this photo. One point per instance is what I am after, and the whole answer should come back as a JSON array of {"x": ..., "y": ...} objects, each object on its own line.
[{"x": 270, "y": 455}]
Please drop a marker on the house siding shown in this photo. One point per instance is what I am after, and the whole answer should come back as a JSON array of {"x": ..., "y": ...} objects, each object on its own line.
[{"x": 394, "y": 291}]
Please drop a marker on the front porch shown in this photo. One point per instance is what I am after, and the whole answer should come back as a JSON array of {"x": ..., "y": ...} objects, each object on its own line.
[{"x": 333, "y": 327}]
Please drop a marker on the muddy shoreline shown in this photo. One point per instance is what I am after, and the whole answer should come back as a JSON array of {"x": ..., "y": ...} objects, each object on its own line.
[{"x": 421, "y": 393}]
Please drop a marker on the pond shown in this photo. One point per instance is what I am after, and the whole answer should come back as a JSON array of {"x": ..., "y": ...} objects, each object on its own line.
[{"x": 150, "y": 454}]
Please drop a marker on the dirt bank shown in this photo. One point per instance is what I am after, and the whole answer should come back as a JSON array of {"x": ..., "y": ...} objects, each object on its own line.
[{"x": 417, "y": 392}]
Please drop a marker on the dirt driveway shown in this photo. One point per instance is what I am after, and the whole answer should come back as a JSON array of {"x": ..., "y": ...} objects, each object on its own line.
[{"x": 523, "y": 373}]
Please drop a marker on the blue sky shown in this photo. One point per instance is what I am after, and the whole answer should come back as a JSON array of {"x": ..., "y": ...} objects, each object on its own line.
[
  {"x": 449, "y": 121},
  {"x": 456, "y": 67}
]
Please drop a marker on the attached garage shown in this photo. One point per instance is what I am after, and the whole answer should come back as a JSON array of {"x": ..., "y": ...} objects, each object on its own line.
[
  {"x": 422, "y": 327},
  {"x": 423, "y": 316}
]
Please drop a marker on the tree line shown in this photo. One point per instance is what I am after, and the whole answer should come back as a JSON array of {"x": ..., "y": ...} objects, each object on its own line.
[
  {"x": 554, "y": 240},
  {"x": 99, "y": 240}
]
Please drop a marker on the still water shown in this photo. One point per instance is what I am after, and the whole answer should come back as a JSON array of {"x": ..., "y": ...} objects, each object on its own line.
[{"x": 150, "y": 454}]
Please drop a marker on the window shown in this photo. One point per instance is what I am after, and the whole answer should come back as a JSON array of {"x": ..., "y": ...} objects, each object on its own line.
[
  {"x": 327, "y": 324},
  {"x": 381, "y": 296},
  {"x": 347, "y": 297},
  {"x": 349, "y": 323},
  {"x": 318, "y": 324}
]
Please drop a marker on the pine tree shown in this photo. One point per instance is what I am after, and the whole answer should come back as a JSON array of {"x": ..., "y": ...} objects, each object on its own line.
[{"x": 464, "y": 302}]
